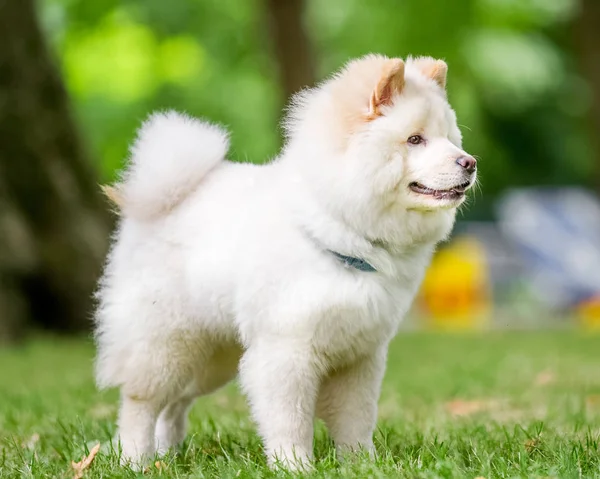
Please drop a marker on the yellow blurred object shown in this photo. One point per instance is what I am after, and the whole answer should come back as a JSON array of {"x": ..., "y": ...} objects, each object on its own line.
[
  {"x": 589, "y": 313},
  {"x": 455, "y": 294}
]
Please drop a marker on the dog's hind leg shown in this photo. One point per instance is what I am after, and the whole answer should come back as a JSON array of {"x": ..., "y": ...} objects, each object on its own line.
[
  {"x": 172, "y": 423},
  {"x": 137, "y": 421},
  {"x": 213, "y": 372},
  {"x": 154, "y": 375}
]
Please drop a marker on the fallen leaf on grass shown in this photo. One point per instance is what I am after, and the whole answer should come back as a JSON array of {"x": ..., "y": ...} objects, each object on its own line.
[
  {"x": 544, "y": 378},
  {"x": 80, "y": 467}
]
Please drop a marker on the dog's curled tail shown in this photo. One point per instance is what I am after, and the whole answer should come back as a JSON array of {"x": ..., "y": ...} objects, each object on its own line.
[{"x": 169, "y": 158}]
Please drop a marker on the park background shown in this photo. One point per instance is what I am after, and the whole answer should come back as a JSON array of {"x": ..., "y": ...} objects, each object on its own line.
[
  {"x": 517, "y": 396},
  {"x": 79, "y": 77}
]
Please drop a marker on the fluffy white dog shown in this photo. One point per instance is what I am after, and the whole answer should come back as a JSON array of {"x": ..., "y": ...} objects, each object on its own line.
[{"x": 294, "y": 275}]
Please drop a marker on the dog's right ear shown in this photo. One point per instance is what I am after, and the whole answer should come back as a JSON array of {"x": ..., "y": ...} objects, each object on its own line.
[
  {"x": 390, "y": 84},
  {"x": 437, "y": 70}
]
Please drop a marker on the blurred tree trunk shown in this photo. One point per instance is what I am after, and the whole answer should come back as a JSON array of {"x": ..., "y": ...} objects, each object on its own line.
[
  {"x": 587, "y": 29},
  {"x": 292, "y": 47},
  {"x": 53, "y": 224}
]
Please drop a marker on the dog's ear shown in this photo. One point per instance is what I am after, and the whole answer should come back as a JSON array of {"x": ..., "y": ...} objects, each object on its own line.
[
  {"x": 391, "y": 83},
  {"x": 437, "y": 70}
]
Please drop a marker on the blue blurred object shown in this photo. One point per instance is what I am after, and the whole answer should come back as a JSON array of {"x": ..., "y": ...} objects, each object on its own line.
[{"x": 556, "y": 233}]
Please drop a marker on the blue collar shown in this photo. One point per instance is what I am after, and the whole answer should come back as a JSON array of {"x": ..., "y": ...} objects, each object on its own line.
[{"x": 352, "y": 262}]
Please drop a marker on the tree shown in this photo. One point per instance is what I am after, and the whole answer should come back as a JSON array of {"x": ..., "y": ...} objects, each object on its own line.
[
  {"x": 588, "y": 40},
  {"x": 292, "y": 47},
  {"x": 53, "y": 222}
]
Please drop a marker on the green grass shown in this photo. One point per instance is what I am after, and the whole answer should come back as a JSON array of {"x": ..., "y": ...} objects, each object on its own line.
[{"x": 492, "y": 405}]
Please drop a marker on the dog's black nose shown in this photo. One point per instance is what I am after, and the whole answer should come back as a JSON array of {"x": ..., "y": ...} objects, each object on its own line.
[{"x": 467, "y": 162}]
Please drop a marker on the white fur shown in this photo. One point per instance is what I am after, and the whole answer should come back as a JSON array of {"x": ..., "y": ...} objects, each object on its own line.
[
  {"x": 159, "y": 176},
  {"x": 221, "y": 268}
]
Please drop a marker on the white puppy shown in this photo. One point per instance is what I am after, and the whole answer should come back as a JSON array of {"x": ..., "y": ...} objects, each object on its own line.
[{"x": 294, "y": 275}]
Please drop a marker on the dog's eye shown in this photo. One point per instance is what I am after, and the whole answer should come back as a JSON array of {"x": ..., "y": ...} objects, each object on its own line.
[{"x": 415, "y": 139}]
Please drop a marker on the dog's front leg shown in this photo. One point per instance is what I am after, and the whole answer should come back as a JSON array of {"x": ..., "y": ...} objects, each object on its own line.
[
  {"x": 348, "y": 403},
  {"x": 281, "y": 383}
]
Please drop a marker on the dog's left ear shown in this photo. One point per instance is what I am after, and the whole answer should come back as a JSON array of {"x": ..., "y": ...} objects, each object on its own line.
[
  {"x": 437, "y": 70},
  {"x": 390, "y": 84}
]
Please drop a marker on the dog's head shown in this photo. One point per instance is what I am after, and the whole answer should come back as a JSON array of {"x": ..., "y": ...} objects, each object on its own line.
[{"x": 386, "y": 142}]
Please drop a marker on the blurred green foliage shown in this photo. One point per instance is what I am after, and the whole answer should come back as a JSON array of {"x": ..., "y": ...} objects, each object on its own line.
[{"x": 513, "y": 73}]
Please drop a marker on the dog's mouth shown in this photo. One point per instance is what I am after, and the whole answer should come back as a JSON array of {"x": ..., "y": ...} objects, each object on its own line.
[{"x": 454, "y": 193}]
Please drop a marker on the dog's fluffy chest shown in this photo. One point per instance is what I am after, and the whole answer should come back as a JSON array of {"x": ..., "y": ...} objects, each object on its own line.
[
  {"x": 341, "y": 314},
  {"x": 360, "y": 320}
]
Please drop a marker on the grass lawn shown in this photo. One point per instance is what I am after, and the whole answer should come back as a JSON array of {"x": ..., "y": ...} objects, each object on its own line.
[{"x": 481, "y": 405}]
